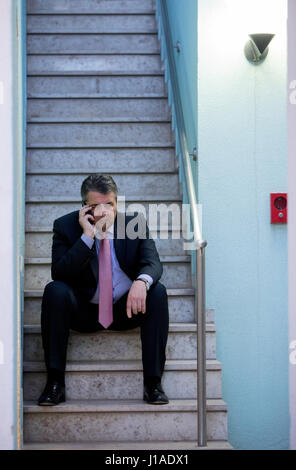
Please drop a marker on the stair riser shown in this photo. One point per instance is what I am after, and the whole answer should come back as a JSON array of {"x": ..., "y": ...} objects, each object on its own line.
[
  {"x": 93, "y": 44},
  {"x": 90, "y": 6},
  {"x": 95, "y": 87},
  {"x": 43, "y": 214},
  {"x": 122, "y": 385},
  {"x": 115, "y": 345},
  {"x": 99, "y": 110},
  {"x": 91, "y": 135},
  {"x": 117, "y": 426},
  {"x": 106, "y": 160},
  {"x": 86, "y": 63},
  {"x": 175, "y": 275},
  {"x": 172, "y": 446},
  {"x": 39, "y": 245},
  {"x": 86, "y": 24},
  {"x": 128, "y": 185},
  {"x": 181, "y": 309}
]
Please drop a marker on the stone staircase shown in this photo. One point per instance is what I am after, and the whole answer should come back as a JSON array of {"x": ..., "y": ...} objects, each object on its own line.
[{"x": 97, "y": 102}]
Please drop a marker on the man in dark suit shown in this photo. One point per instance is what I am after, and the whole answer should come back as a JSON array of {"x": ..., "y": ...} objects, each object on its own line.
[{"x": 105, "y": 272}]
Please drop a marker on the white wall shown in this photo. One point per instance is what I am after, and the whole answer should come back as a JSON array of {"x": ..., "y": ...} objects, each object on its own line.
[{"x": 7, "y": 347}]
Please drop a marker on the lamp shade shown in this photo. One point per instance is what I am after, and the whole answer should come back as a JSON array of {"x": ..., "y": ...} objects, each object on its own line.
[
  {"x": 261, "y": 40},
  {"x": 256, "y": 48}
]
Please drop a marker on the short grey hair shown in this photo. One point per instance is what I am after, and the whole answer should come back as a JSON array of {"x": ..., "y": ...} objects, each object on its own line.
[{"x": 103, "y": 184}]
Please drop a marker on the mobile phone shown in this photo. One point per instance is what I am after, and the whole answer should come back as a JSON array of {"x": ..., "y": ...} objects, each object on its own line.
[
  {"x": 90, "y": 221},
  {"x": 88, "y": 212}
]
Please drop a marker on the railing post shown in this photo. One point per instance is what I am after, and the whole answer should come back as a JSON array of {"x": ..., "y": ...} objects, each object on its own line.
[{"x": 200, "y": 310}]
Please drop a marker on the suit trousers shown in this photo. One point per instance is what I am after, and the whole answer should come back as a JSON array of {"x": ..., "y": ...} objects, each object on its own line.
[{"x": 64, "y": 310}]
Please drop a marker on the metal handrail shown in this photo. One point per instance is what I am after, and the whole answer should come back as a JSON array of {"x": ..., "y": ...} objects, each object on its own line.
[{"x": 199, "y": 243}]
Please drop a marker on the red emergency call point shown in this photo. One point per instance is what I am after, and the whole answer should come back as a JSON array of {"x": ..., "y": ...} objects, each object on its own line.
[{"x": 279, "y": 208}]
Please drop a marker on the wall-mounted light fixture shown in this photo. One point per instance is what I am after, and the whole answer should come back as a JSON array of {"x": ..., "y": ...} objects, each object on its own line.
[{"x": 256, "y": 49}]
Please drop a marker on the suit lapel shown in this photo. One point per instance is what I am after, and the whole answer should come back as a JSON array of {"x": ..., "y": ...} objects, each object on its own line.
[
  {"x": 94, "y": 262},
  {"x": 120, "y": 243}
]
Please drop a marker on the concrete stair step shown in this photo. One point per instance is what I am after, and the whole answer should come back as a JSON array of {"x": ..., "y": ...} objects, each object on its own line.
[
  {"x": 176, "y": 272},
  {"x": 121, "y": 420},
  {"x": 150, "y": 63},
  {"x": 122, "y": 380},
  {"x": 43, "y": 211},
  {"x": 91, "y": 24},
  {"x": 181, "y": 306},
  {"x": 90, "y": 6},
  {"x": 110, "y": 345},
  {"x": 96, "y": 87},
  {"x": 156, "y": 445},
  {"x": 98, "y": 73},
  {"x": 164, "y": 259},
  {"x": 88, "y": 135},
  {"x": 39, "y": 244},
  {"x": 128, "y": 184},
  {"x": 102, "y": 160},
  {"x": 98, "y": 110},
  {"x": 93, "y": 43},
  {"x": 130, "y": 200}
]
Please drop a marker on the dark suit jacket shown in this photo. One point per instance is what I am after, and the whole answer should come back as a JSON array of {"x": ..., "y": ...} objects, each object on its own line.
[{"x": 75, "y": 264}]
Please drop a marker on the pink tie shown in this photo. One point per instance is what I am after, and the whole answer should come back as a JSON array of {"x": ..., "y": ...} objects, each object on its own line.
[{"x": 105, "y": 284}]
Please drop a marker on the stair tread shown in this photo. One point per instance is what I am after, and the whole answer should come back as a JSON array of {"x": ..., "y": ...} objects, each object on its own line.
[
  {"x": 121, "y": 406},
  {"x": 96, "y": 72},
  {"x": 134, "y": 198},
  {"x": 49, "y": 228},
  {"x": 117, "y": 96},
  {"x": 150, "y": 32},
  {"x": 163, "y": 258},
  {"x": 83, "y": 13},
  {"x": 119, "y": 32},
  {"x": 132, "y": 445},
  {"x": 121, "y": 120},
  {"x": 129, "y": 12},
  {"x": 173, "y": 327},
  {"x": 175, "y": 364},
  {"x": 83, "y": 54},
  {"x": 124, "y": 145},
  {"x": 67, "y": 171},
  {"x": 170, "y": 292},
  {"x": 75, "y": 54},
  {"x": 32, "y": 59}
]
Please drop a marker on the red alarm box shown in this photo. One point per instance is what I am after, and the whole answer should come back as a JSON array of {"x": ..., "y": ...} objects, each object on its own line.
[{"x": 279, "y": 208}]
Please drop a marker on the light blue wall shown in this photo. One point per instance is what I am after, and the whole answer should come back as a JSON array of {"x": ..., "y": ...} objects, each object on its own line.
[
  {"x": 240, "y": 121},
  {"x": 242, "y": 159},
  {"x": 183, "y": 24}
]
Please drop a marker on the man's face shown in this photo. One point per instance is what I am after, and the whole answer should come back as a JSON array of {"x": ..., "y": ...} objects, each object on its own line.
[{"x": 104, "y": 208}]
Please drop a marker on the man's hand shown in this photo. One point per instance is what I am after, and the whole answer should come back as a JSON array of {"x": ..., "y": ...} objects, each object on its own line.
[
  {"x": 103, "y": 222},
  {"x": 84, "y": 218},
  {"x": 136, "y": 300}
]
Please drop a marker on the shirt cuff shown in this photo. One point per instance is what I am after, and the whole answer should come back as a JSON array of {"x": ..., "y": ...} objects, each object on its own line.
[
  {"x": 87, "y": 240},
  {"x": 147, "y": 277}
]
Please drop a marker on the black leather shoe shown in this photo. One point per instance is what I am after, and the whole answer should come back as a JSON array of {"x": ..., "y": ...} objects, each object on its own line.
[
  {"x": 53, "y": 394},
  {"x": 155, "y": 395}
]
